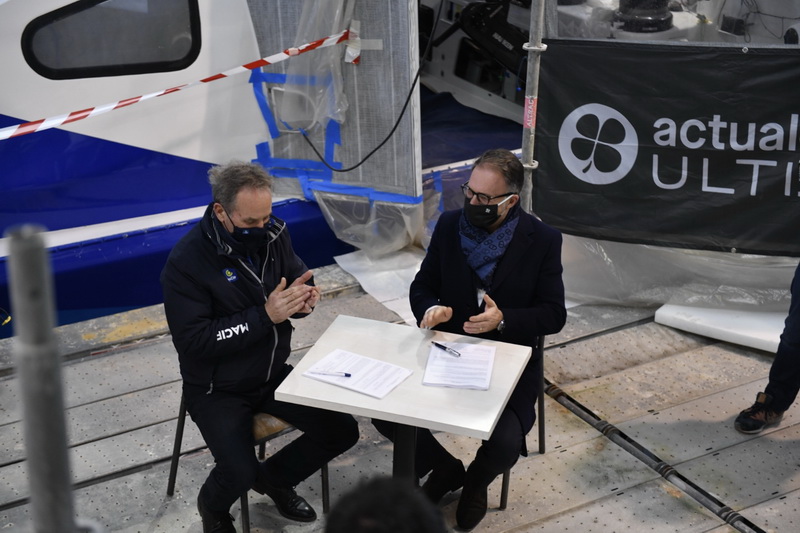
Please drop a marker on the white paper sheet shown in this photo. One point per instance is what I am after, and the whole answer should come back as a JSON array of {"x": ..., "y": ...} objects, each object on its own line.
[
  {"x": 473, "y": 370},
  {"x": 367, "y": 375}
]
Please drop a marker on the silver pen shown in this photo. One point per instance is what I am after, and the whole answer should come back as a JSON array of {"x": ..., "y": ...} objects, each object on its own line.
[
  {"x": 340, "y": 374},
  {"x": 447, "y": 349}
]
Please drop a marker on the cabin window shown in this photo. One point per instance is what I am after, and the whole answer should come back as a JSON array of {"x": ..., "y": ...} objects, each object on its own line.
[{"x": 93, "y": 38}]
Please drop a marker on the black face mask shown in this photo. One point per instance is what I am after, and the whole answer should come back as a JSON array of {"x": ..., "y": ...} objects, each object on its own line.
[
  {"x": 481, "y": 216},
  {"x": 251, "y": 238}
]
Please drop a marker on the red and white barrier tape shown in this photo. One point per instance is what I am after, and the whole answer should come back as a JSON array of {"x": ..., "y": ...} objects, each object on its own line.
[{"x": 52, "y": 122}]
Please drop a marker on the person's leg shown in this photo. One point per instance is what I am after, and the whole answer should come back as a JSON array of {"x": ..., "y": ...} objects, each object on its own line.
[
  {"x": 226, "y": 423},
  {"x": 447, "y": 472},
  {"x": 494, "y": 457},
  {"x": 429, "y": 452},
  {"x": 784, "y": 375},
  {"x": 326, "y": 434}
]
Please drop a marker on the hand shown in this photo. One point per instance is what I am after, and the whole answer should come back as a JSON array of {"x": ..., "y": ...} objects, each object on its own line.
[
  {"x": 313, "y": 300},
  {"x": 486, "y": 321},
  {"x": 435, "y": 316},
  {"x": 284, "y": 301}
]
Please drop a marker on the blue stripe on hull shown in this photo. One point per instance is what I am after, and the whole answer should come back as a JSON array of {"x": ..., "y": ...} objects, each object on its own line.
[{"x": 62, "y": 180}]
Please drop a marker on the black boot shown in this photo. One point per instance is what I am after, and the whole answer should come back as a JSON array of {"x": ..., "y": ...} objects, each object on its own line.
[
  {"x": 214, "y": 523},
  {"x": 289, "y": 503},
  {"x": 474, "y": 499},
  {"x": 444, "y": 479}
]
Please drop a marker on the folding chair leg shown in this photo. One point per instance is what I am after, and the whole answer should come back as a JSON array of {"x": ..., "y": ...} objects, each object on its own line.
[
  {"x": 540, "y": 419},
  {"x": 540, "y": 410},
  {"x": 245, "y": 511},
  {"x": 504, "y": 489},
  {"x": 176, "y": 449},
  {"x": 326, "y": 496}
]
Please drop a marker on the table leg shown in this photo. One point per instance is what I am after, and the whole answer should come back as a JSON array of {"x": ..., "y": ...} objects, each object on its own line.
[{"x": 405, "y": 443}]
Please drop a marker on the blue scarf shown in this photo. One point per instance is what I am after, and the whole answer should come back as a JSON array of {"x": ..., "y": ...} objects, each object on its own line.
[{"x": 484, "y": 250}]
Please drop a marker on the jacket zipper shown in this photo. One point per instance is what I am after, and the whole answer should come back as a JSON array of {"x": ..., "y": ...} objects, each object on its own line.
[{"x": 264, "y": 294}]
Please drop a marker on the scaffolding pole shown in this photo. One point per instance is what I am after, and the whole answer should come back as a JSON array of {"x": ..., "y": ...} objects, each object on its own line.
[
  {"x": 39, "y": 369},
  {"x": 534, "y": 47}
]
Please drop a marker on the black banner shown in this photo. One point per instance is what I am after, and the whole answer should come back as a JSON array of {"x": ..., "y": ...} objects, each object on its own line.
[{"x": 676, "y": 145}]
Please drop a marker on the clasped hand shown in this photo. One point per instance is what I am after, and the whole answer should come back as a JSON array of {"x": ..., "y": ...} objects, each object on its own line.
[{"x": 298, "y": 297}]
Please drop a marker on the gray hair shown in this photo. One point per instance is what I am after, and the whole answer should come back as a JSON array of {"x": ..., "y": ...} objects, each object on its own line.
[
  {"x": 507, "y": 164},
  {"x": 227, "y": 180}
]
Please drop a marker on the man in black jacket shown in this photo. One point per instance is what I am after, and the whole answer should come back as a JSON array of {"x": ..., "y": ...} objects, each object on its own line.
[{"x": 230, "y": 286}]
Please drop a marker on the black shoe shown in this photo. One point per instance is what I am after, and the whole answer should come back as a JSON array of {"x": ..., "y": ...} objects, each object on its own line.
[
  {"x": 443, "y": 480},
  {"x": 759, "y": 416},
  {"x": 472, "y": 505},
  {"x": 289, "y": 503},
  {"x": 213, "y": 523}
]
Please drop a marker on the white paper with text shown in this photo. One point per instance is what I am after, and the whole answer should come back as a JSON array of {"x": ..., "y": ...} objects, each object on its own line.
[
  {"x": 367, "y": 375},
  {"x": 473, "y": 370}
]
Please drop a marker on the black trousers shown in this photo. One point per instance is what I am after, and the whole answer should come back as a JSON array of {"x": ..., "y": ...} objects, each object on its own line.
[
  {"x": 494, "y": 456},
  {"x": 225, "y": 420},
  {"x": 784, "y": 374}
]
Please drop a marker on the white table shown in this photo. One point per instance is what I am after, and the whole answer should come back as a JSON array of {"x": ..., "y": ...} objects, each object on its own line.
[{"x": 467, "y": 412}]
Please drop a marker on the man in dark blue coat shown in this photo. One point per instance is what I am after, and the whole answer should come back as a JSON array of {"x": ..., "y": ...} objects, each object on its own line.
[
  {"x": 230, "y": 286},
  {"x": 784, "y": 374},
  {"x": 491, "y": 271}
]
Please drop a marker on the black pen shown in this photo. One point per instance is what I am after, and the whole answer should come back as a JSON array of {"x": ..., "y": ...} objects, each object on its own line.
[
  {"x": 322, "y": 373},
  {"x": 446, "y": 349}
]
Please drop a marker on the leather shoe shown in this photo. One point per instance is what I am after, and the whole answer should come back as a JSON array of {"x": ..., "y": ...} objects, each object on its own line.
[
  {"x": 472, "y": 506},
  {"x": 289, "y": 503},
  {"x": 213, "y": 523},
  {"x": 443, "y": 480}
]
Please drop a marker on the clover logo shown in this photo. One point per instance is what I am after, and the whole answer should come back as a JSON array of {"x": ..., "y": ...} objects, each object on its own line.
[{"x": 598, "y": 145}]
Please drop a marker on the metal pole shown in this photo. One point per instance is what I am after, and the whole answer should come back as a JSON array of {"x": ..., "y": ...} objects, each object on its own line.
[
  {"x": 39, "y": 369},
  {"x": 665, "y": 470},
  {"x": 535, "y": 49}
]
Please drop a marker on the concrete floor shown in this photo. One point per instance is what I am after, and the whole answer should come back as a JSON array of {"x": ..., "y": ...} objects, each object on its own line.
[{"x": 673, "y": 393}]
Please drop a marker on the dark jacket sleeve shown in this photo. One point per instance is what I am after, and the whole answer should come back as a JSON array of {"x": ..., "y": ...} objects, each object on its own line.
[
  {"x": 545, "y": 313},
  {"x": 424, "y": 289}
]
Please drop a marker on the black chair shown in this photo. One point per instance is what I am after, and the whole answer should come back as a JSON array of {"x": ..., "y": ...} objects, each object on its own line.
[
  {"x": 265, "y": 428},
  {"x": 538, "y": 351}
]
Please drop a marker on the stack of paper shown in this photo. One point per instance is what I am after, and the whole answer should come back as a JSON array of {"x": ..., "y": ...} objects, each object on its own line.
[
  {"x": 472, "y": 370},
  {"x": 359, "y": 373}
]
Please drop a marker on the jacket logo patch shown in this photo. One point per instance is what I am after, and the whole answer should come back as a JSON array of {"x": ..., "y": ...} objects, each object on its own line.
[
  {"x": 230, "y": 274},
  {"x": 227, "y": 333}
]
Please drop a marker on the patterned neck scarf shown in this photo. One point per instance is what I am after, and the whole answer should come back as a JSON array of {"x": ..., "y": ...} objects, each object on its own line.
[{"x": 484, "y": 250}]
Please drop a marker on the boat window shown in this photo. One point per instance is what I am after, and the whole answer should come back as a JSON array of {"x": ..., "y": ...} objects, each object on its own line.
[{"x": 92, "y": 38}]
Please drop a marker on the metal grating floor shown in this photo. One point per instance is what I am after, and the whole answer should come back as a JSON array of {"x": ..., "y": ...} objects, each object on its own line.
[{"x": 675, "y": 394}]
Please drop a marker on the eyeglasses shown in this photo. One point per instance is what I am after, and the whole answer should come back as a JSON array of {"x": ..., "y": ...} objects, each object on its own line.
[{"x": 483, "y": 199}]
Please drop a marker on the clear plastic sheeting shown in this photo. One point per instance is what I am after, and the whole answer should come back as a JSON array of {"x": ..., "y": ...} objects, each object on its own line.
[
  {"x": 376, "y": 227},
  {"x": 314, "y": 90},
  {"x": 376, "y": 206},
  {"x": 441, "y": 188},
  {"x": 634, "y": 274}
]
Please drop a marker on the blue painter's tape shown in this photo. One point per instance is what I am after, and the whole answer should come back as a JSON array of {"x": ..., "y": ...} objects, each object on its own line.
[
  {"x": 333, "y": 137},
  {"x": 270, "y": 77},
  {"x": 437, "y": 186},
  {"x": 256, "y": 80}
]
